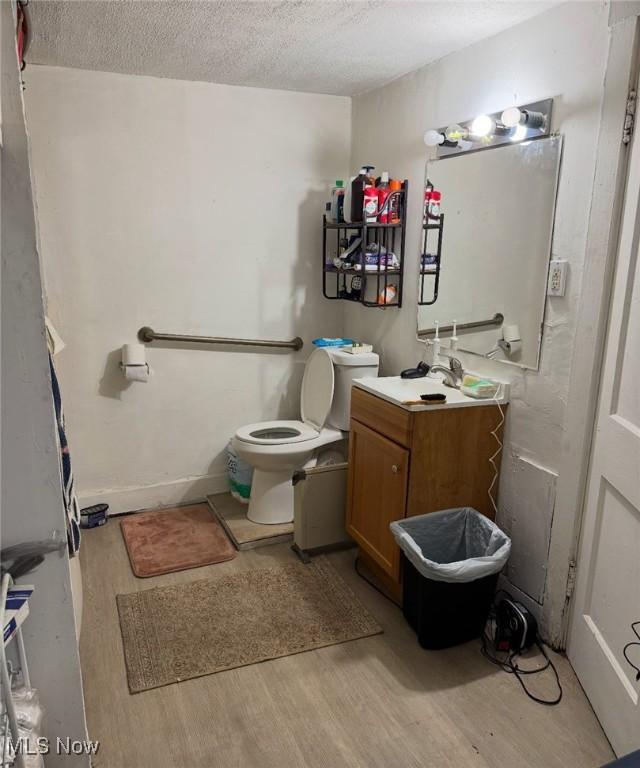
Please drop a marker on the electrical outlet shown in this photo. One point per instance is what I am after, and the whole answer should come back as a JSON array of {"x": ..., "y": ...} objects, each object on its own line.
[{"x": 557, "y": 282}]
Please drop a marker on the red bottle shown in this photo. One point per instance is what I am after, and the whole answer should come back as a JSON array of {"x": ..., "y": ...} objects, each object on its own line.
[
  {"x": 434, "y": 204},
  {"x": 383, "y": 193}
]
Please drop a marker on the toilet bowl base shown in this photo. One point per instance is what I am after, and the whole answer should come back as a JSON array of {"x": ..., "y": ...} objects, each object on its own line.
[{"x": 271, "y": 501}]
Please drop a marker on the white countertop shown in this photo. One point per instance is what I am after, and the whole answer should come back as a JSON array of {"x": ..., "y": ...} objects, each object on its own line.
[{"x": 398, "y": 391}]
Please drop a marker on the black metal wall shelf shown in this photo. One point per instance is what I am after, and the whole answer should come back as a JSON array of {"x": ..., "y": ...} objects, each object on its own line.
[
  {"x": 348, "y": 278},
  {"x": 430, "y": 270}
]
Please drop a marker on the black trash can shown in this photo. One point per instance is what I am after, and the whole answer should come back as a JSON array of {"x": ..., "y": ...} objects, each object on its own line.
[{"x": 451, "y": 561}]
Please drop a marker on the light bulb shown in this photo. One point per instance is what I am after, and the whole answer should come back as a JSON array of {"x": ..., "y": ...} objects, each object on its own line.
[
  {"x": 511, "y": 117},
  {"x": 519, "y": 133},
  {"x": 456, "y": 132},
  {"x": 483, "y": 125},
  {"x": 514, "y": 116},
  {"x": 433, "y": 138}
]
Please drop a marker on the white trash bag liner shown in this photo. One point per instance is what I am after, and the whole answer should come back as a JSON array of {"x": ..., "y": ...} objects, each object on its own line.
[{"x": 454, "y": 545}]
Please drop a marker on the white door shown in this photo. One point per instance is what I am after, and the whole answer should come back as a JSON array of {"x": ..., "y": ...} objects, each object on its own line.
[{"x": 607, "y": 595}]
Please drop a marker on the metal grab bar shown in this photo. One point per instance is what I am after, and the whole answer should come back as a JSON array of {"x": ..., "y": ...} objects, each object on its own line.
[
  {"x": 147, "y": 335},
  {"x": 496, "y": 321}
]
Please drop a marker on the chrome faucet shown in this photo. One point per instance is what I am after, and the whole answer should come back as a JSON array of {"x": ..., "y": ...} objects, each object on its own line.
[{"x": 453, "y": 375}]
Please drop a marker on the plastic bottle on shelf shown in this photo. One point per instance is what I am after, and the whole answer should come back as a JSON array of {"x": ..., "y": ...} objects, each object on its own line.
[
  {"x": 384, "y": 191},
  {"x": 346, "y": 203},
  {"x": 428, "y": 189},
  {"x": 358, "y": 185},
  {"x": 337, "y": 202},
  {"x": 370, "y": 204},
  {"x": 435, "y": 199},
  {"x": 395, "y": 205},
  {"x": 388, "y": 295}
]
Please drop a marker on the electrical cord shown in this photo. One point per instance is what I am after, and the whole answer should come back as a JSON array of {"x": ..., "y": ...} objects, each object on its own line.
[
  {"x": 634, "y": 624},
  {"x": 509, "y": 664}
]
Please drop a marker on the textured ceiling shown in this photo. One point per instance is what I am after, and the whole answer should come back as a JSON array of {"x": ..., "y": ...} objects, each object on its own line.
[{"x": 341, "y": 47}]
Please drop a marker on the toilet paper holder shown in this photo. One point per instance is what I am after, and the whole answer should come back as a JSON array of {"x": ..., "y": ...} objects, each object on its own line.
[{"x": 134, "y": 364}]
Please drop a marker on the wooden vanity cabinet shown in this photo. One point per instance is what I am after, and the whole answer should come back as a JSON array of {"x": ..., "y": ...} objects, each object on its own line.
[{"x": 404, "y": 463}]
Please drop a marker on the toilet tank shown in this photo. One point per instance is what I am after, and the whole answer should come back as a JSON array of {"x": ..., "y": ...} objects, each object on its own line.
[{"x": 346, "y": 368}]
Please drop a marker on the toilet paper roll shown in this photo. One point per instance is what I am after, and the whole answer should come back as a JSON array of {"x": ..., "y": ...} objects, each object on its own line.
[
  {"x": 134, "y": 354},
  {"x": 136, "y": 372},
  {"x": 511, "y": 333}
]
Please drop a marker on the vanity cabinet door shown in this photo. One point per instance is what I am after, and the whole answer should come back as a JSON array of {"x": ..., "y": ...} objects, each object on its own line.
[{"x": 377, "y": 492}]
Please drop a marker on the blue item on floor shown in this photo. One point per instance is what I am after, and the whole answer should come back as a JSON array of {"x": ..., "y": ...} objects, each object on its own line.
[{"x": 94, "y": 516}]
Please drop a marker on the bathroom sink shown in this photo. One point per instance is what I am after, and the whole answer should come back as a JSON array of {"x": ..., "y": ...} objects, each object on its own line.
[{"x": 399, "y": 391}]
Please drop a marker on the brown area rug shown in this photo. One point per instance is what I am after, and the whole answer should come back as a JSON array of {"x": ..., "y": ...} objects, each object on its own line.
[
  {"x": 178, "y": 632},
  {"x": 174, "y": 539}
]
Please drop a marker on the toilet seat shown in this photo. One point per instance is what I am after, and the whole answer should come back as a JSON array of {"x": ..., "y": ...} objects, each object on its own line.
[
  {"x": 316, "y": 394},
  {"x": 276, "y": 433},
  {"x": 316, "y": 397}
]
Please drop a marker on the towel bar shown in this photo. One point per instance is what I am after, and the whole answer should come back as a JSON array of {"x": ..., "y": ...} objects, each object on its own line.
[
  {"x": 496, "y": 321},
  {"x": 147, "y": 335}
]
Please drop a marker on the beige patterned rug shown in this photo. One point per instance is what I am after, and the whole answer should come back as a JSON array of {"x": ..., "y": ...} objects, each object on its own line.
[{"x": 183, "y": 631}]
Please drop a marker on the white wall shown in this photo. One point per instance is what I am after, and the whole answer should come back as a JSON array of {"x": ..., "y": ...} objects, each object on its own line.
[
  {"x": 190, "y": 207},
  {"x": 32, "y": 508},
  {"x": 561, "y": 53}
]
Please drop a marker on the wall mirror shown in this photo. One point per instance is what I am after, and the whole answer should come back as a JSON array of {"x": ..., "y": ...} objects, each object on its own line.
[{"x": 486, "y": 264}]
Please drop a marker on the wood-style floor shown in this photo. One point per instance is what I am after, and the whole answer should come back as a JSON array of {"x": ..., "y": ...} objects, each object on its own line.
[{"x": 380, "y": 702}]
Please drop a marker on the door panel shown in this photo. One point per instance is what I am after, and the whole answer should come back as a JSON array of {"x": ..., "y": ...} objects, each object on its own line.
[
  {"x": 378, "y": 470},
  {"x": 607, "y": 596}
]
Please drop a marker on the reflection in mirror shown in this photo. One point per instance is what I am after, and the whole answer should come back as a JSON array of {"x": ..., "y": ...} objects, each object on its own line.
[{"x": 495, "y": 249}]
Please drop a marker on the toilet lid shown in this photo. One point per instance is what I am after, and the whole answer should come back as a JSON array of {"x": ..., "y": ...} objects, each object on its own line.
[{"x": 317, "y": 389}]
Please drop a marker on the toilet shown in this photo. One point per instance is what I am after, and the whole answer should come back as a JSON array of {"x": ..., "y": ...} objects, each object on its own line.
[{"x": 276, "y": 449}]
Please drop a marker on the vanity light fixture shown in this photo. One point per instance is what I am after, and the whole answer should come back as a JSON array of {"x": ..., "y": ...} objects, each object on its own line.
[{"x": 486, "y": 131}]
